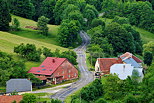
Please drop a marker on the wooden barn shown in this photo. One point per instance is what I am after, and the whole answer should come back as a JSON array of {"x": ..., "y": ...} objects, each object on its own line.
[{"x": 55, "y": 70}]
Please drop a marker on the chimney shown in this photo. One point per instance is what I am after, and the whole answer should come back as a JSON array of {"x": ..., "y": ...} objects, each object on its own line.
[{"x": 53, "y": 60}]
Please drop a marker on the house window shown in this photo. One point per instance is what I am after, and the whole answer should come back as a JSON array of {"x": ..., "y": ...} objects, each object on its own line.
[
  {"x": 62, "y": 72},
  {"x": 69, "y": 76},
  {"x": 69, "y": 71},
  {"x": 75, "y": 74}
]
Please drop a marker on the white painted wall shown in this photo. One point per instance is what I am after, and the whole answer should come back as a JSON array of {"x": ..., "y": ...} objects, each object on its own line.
[
  {"x": 97, "y": 66},
  {"x": 122, "y": 70}
]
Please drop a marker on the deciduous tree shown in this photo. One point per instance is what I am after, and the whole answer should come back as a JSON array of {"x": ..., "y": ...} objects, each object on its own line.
[
  {"x": 148, "y": 58},
  {"x": 42, "y": 25}
]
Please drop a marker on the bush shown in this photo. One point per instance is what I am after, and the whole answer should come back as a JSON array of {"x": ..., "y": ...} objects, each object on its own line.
[
  {"x": 101, "y": 100},
  {"x": 28, "y": 51},
  {"x": 28, "y": 98},
  {"x": 148, "y": 58},
  {"x": 97, "y": 22},
  {"x": 130, "y": 99},
  {"x": 121, "y": 20}
]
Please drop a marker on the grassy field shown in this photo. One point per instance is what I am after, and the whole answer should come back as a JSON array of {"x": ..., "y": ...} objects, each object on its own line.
[
  {"x": 8, "y": 41},
  {"x": 34, "y": 34},
  {"x": 145, "y": 35},
  {"x": 53, "y": 29}
]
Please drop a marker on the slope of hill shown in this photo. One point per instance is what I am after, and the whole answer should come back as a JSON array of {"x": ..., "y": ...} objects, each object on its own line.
[
  {"x": 33, "y": 34},
  {"x": 53, "y": 29},
  {"x": 8, "y": 41}
]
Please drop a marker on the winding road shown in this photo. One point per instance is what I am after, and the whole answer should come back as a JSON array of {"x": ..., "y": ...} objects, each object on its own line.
[{"x": 86, "y": 76}]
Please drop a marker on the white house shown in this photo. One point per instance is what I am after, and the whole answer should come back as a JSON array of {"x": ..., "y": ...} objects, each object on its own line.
[
  {"x": 124, "y": 70},
  {"x": 123, "y": 66}
]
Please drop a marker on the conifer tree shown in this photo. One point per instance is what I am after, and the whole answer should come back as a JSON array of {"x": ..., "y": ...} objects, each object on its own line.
[{"x": 5, "y": 17}]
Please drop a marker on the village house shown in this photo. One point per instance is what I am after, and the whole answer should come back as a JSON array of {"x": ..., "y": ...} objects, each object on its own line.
[
  {"x": 122, "y": 66},
  {"x": 55, "y": 70}
]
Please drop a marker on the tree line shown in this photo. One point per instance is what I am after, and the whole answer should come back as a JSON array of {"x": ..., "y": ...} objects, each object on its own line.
[{"x": 31, "y": 53}]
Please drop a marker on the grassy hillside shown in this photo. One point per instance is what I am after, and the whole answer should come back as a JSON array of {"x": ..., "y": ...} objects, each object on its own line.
[
  {"x": 26, "y": 35},
  {"x": 33, "y": 34},
  {"x": 8, "y": 41},
  {"x": 145, "y": 35},
  {"x": 53, "y": 29}
]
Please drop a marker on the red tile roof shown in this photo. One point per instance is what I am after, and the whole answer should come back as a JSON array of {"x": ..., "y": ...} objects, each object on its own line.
[
  {"x": 130, "y": 55},
  {"x": 106, "y": 63},
  {"x": 49, "y": 65},
  {"x": 10, "y": 99}
]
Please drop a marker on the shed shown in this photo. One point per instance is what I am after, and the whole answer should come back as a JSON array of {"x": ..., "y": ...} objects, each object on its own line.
[{"x": 18, "y": 85}]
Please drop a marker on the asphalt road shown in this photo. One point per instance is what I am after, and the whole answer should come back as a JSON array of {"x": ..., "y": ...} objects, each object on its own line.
[{"x": 86, "y": 76}]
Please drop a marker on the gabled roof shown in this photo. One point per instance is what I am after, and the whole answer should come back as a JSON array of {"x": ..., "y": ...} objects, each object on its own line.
[
  {"x": 106, "y": 63},
  {"x": 10, "y": 99},
  {"x": 49, "y": 65},
  {"x": 130, "y": 55},
  {"x": 18, "y": 85},
  {"x": 132, "y": 62}
]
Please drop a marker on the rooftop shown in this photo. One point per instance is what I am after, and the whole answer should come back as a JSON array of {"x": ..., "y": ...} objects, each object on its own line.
[
  {"x": 10, "y": 99},
  {"x": 130, "y": 55},
  {"x": 49, "y": 65},
  {"x": 106, "y": 63}
]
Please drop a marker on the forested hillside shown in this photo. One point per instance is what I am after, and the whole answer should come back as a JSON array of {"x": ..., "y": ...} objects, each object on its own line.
[{"x": 48, "y": 27}]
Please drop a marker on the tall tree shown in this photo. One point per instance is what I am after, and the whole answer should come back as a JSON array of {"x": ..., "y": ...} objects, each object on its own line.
[
  {"x": 68, "y": 32},
  {"x": 121, "y": 40},
  {"x": 46, "y": 9},
  {"x": 149, "y": 47},
  {"x": 37, "y": 4},
  {"x": 42, "y": 25},
  {"x": 23, "y": 8},
  {"x": 148, "y": 58},
  {"x": 5, "y": 17}
]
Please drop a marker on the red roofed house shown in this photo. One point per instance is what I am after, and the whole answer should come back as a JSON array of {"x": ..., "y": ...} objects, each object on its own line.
[
  {"x": 10, "y": 99},
  {"x": 103, "y": 64},
  {"x": 55, "y": 70},
  {"x": 123, "y": 65}
]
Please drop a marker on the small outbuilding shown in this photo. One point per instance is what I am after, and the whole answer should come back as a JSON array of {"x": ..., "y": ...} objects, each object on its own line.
[{"x": 18, "y": 85}]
